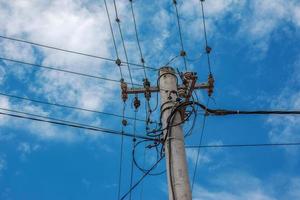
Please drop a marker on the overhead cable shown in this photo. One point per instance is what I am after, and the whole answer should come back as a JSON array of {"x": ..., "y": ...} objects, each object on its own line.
[
  {"x": 50, "y": 120},
  {"x": 286, "y": 144},
  {"x": 62, "y": 70},
  {"x": 72, "y": 51},
  {"x": 66, "y": 106}
]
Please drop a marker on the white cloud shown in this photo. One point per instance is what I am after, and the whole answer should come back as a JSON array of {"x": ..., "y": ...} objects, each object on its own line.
[
  {"x": 265, "y": 18},
  {"x": 26, "y": 149},
  {"x": 192, "y": 156},
  {"x": 4, "y": 103},
  {"x": 237, "y": 185},
  {"x": 286, "y": 128},
  {"x": 3, "y": 164},
  {"x": 2, "y": 75}
]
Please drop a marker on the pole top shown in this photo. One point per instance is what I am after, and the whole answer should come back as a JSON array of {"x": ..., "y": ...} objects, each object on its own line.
[{"x": 165, "y": 69}]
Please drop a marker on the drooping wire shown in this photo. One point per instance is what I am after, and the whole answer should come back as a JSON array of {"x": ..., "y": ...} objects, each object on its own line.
[
  {"x": 200, "y": 142},
  {"x": 50, "y": 120},
  {"x": 123, "y": 42},
  {"x": 62, "y": 70},
  {"x": 148, "y": 107},
  {"x": 207, "y": 48},
  {"x": 183, "y": 52},
  {"x": 118, "y": 61},
  {"x": 142, "y": 186},
  {"x": 141, "y": 179},
  {"x": 137, "y": 37},
  {"x": 133, "y": 146},
  {"x": 67, "y": 106},
  {"x": 121, "y": 152},
  {"x": 73, "y": 52},
  {"x": 286, "y": 144}
]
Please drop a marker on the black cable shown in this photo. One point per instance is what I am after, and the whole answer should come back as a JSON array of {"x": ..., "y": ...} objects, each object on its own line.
[
  {"x": 66, "y": 106},
  {"x": 62, "y": 70},
  {"x": 73, "y": 52},
  {"x": 121, "y": 152},
  {"x": 132, "y": 162},
  {"x": 243, "y": 145},
  {"x": 137, "y": 37},
  {"x": 123, "y": 42},
  {"x": 205, "y": 37},
  {"x": 142, "y": 169},
  {"x": 182, "y": 53},
  {"x": 198, "y": 152},
  {"x": 66, "y": 123},
  {"x": 141, "y": 179},
  {"x": 221, "y": 112},
  {"x": 113, "y": 37}
]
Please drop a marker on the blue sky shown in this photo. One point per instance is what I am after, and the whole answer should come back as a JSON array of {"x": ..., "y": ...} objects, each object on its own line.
[{"x": 255, "y": 62}]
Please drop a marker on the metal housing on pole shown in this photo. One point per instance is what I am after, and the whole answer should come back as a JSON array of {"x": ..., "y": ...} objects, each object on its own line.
[{"x": 177, "y": 171}]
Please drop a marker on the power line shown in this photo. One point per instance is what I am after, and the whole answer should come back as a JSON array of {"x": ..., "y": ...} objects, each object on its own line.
[
  {"x": 132, "y": 163},
  {"x": 62, "y": 70},
  {"x": 71, "y": 51},
  {"x": 207, "y": 48},
  {"x": 67, "y": 106},
  {"x": 137, "y": 38},
  {"x": 243, "y": 145},
  {"x": 141, "y": 179},
  {"x": 121, "y": 152},
  {"x": 182, "y": 53},
  {"x": 123, "y": 42},
  {"x": 50, "y": 120},
  {"x": 222, "y": 112},
  {"x": 113, "y": 38},
  {"x": 200, "y": 142}
]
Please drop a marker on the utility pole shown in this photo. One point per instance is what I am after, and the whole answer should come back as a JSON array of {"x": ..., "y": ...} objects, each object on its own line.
[
  {"x": 177, "y": 170},
  {"x": 170, "y": 94}
]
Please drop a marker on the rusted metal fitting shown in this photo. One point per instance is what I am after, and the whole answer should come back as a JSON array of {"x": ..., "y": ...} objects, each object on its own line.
[
  {"x": 182, "y": 53},
  {"x": 118, "y": 62},
  {"x": 211, "y": 84},
  {"x": 182, "y": 93},
  {"x": 147, "y": 89},
  {"x": 124, "y": 88},
  {"x": 208, "y": 49},
  {"x": 136, "y": 103},
  {"x": 124, "y": 122},
  {"x": 190, "y": 75}
]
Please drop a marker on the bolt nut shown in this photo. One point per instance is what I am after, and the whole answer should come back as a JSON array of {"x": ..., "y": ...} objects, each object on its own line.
[{"x": 124, "y": 122}]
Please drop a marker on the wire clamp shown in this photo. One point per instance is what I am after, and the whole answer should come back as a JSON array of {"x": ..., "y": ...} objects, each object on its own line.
[
  {"x": 118, "y": 62},
  {"x": 147, "y": 89},
  {"x": 211, "y": 84},
  {"x": 136, "y": 103},
  {"x": 124, "y": 89}
]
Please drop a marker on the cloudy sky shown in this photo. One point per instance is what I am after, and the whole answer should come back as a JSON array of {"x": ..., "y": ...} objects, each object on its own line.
[{"x": 255, "y": 61}]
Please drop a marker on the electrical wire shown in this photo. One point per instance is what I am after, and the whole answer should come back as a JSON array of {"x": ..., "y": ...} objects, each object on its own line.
[
  {"x": 141, "y": 179},
  {"x": 133, "y": 146},
  {"x": 183, "y": 53},
  {"x": 198, "y": 151},
  {"x": 137, "y": 37},
  {"x": 113, "y": 38},
  {"x": 121, "y": 152},
  {"x": 50, "y": 120},
  {"x": 67, "y": 106},
  {"x": 123, "y": 42},
  {"x": 205, "y": 36},
  {"x": 62, "y": 70},
  {"x": 286, "y": 144},
  {"x": 72, "y": 52}
]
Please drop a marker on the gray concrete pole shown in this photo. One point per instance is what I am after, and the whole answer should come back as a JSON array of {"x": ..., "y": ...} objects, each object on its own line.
[{"x": 177, "y": 172}]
